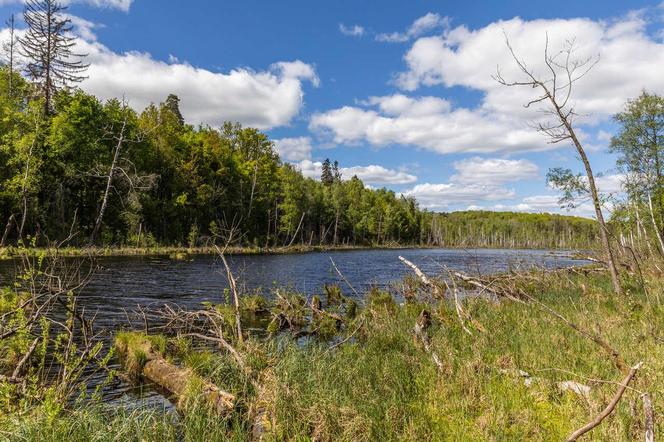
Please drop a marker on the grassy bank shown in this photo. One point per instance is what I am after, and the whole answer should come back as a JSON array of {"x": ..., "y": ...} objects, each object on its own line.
[
  {"x": 177, "y": 252},
  {"x": 382, "y": 385}
]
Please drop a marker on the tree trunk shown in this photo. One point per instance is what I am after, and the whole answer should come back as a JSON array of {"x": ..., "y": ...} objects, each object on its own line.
[
  {"x": 654, "y": 225},
  {"x": 7, "y": 228},
  {"x": 109, "y": 184},
  {"x": 604, "y": 235}
]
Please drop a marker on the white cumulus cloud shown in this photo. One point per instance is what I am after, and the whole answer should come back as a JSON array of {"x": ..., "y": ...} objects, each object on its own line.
[
  {"x": 442, "y": 196},
  {"x": 426, "y": 122},
  {"x": 262, "y": 99},
  {"x": 631, "y": 59},
  {"x": 493, "y": 170},
  {"x": 351, "y": 31},
  {"x": 372, "y": 174},
  {"x": 422, "y": 25},
  {"x": 294, "y": 149}
]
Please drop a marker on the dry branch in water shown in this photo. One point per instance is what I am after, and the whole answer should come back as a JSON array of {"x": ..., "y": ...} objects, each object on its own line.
[{"x": 420, "y": 274}]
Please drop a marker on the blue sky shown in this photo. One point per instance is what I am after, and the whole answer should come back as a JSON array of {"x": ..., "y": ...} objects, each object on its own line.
[{"x": 399, "y": 92}]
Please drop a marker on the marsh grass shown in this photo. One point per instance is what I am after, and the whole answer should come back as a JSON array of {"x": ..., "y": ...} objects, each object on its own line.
[{"x": 382, "y": 385}]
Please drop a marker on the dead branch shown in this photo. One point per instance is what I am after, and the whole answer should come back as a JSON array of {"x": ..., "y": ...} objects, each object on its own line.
[
  {"x": 421, "y": 332},
  {"x": 425, "y": 280},
  {"x": 344, "y": 278},
  {"x": 609, "y": 408},
  {"x": 457, "y": 305},
  {"x": 486, "y": 288},
  {"x": 19, "y": 367},
  {"x": 649, "y": 417}
]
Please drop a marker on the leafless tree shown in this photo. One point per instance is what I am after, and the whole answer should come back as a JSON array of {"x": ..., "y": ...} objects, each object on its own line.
[
  {"x": 9, "y": 49},
  {"x": 555, "y": 92}
]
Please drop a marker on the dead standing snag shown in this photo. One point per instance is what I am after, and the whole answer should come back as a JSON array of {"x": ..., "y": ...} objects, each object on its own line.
[{"x": 556, "y": 90}]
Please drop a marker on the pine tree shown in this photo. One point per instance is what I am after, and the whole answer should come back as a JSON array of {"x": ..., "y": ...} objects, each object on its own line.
[
  {"x": 48, "y": 45},
  {"x": 335, "y": 171},
  {"x": 326, "y": 175},
  {"x": 173, "y": 104}
]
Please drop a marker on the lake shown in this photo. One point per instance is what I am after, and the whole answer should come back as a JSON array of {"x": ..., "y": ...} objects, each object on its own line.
[{"x": 122, "y": 283}]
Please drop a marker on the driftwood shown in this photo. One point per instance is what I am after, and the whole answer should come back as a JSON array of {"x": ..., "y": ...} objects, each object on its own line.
[
  {"x": 176, "y": 379},
  {"x": 609, "y": 408}
]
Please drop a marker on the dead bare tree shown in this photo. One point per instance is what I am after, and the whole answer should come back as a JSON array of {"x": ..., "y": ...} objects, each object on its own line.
[
  {"x": 9, "y": 48},
  {"x": 120, "y": 167},
  {"x": 555, "y": 90}
]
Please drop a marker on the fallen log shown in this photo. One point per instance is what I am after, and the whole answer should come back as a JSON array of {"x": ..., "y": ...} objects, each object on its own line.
[
  {"x": 425, "y": 280},
  {"x": 139, "y": 355}
]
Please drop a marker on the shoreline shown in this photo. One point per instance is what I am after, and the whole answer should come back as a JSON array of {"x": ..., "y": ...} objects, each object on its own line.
[{"x": 178, "y": 252}]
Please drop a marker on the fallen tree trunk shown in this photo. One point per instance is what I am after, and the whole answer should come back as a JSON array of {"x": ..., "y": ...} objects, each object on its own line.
[{"x": 175, "y": 379}]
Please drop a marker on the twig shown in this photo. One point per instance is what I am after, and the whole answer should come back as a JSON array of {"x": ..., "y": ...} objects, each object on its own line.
[
  {"x": 343, "y": 277},
  {"x": 347, "y": 338},
  {"x": 609, "y": 408}
]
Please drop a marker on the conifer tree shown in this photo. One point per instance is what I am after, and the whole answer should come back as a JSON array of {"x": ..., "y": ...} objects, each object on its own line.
[
  {"x": 48, "y": 47},
  {"x": 326, "y": 175}
]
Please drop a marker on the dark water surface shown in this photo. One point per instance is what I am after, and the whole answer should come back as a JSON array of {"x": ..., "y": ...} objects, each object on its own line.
[{"x": 123, "y": 283}]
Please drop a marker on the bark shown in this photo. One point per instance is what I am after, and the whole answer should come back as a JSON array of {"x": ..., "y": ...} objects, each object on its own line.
[
  {"x": 615, "y": 278},
  {"x": 177, "y": 380},
  {"x": 24, "y": 190},
  {"x": 649, "y": 417},
  {"x": 297, "y": 230},
  {"x": 236, "y": 296},
  {"x": 421, "y": 332},
  {"x": 11, "y": 220}
]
